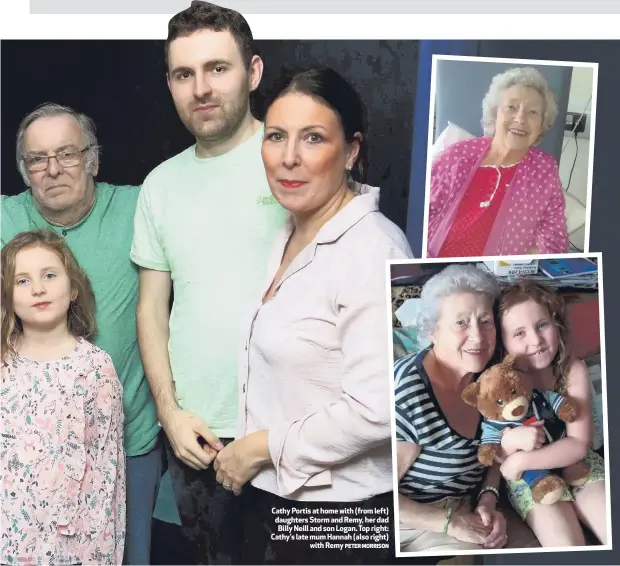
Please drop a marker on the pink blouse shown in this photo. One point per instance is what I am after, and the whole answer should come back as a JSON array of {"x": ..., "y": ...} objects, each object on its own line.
[
  {"x": 531, "y": 215},
  {"x": 315, "y": 367},
  {"x": 63, "y": 464},
  {"x": 472, "y": 225}
]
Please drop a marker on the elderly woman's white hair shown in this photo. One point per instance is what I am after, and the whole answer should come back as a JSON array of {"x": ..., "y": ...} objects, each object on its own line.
[
  {"x": 524, "y": 76},
  {"x": 455, "y": 278}
]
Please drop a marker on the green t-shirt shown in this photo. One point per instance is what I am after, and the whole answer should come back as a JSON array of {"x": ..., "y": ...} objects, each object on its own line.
[
  {"x": 210, "y": 223},
  {"x": 101, "y": 244}
]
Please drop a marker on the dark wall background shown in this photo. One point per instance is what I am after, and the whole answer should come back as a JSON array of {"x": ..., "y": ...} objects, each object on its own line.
[{"x": 122, "y": 86}]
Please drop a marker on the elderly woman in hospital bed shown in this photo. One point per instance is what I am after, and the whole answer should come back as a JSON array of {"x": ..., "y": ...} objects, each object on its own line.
[{"x": 499, "y": 194}]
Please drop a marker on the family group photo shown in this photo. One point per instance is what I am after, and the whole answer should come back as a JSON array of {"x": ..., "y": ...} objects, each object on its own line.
[{"x": 280, "y": 301}]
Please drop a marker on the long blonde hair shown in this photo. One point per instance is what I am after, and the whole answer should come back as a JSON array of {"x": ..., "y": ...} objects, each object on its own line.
[
  {"x": 528, "y": 290},
  {"x": 81, "y": 315}
]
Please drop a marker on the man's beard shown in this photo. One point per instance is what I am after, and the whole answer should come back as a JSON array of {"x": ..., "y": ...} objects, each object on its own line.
[{"x": 221, "y": 128}]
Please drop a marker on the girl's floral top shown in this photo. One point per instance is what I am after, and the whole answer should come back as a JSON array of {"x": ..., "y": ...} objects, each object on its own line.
[{"x": 63, "y": 464}]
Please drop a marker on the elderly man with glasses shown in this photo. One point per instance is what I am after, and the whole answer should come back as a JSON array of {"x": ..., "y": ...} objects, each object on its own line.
[{"x": 58, "y": 158}]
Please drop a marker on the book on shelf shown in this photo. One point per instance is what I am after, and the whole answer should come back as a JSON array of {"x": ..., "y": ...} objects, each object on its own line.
[
  {"x": 560, "y": 268},
  {"x": 555, "y": 273}
]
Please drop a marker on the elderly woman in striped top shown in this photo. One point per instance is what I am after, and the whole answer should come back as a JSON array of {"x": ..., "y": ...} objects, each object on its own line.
[{"x": 446, "y": 502}]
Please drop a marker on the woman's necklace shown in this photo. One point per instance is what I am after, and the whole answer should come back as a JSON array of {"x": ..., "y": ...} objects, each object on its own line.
[{"x": 487, "y": 203}]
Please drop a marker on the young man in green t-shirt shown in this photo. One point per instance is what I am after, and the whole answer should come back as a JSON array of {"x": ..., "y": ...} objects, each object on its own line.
[
  {"x": 204, "y": 223},
  {"x": 58, "y": 157}
]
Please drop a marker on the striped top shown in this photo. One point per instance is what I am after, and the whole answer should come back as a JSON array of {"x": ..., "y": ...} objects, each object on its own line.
[{"x": 447, "y": 465}]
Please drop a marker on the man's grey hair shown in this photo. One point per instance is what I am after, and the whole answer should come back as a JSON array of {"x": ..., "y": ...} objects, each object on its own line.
[
  {"x": 455, "y": 278},
  {"x": 524, "y": 76},
  {"x": 51, "y": 109}
]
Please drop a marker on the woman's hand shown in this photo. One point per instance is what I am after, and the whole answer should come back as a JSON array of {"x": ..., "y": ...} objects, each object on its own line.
[
  {"x": 469, "y": 527},
  {"x": 527, "y": 438},
  {"x": 238, "y": 462},
  {"x": 493, "y": 518}
]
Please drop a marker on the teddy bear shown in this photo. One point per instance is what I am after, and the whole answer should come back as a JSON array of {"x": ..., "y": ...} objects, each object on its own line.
[{"x": 504, "y": 398}]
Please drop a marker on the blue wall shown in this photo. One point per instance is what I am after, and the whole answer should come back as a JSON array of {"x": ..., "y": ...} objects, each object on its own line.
[{"x": 415, "y": 205}]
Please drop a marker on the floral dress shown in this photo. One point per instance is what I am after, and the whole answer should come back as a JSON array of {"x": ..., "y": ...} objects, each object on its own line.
[{"x": 63, "y": 463}]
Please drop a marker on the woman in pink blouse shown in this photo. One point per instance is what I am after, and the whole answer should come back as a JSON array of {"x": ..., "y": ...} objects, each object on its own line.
[
  {"x": 63, "y": 473},
  {"x": 314, "y": 371},
  {"x": 499, "y": 194}
]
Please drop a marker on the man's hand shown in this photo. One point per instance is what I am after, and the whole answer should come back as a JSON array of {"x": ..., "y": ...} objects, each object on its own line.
[{"x": 183, "y": 430}]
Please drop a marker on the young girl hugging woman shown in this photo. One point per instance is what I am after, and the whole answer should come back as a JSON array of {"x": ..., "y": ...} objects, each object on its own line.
[
  {"x": 63, "y": 465},
  {"x": 533, "y": 328}
]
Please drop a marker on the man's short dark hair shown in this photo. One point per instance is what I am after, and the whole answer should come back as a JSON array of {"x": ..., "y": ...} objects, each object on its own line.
[{"x": 204, "y": 15}]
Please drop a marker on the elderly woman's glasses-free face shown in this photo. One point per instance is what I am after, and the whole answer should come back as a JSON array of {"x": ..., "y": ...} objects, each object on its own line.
[{"x": 65, "y": 158}]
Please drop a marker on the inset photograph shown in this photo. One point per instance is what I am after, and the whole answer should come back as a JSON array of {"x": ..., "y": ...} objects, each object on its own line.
[
  {"x": 499, "y": 405},
  {"x": 509, "y": 169}
]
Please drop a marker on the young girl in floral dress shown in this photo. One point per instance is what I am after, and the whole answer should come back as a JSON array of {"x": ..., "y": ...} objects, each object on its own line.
[{"x": 63, "y": 465}]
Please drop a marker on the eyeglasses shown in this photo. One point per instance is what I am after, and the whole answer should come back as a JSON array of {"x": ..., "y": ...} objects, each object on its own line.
[{"x": 66, "y": 158}]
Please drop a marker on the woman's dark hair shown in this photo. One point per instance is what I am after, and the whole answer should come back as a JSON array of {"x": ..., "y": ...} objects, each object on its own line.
[{"x": 330, "y": 88}]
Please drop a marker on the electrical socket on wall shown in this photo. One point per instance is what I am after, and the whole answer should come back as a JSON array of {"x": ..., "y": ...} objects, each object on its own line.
[{"x": 574, "y": 124}]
